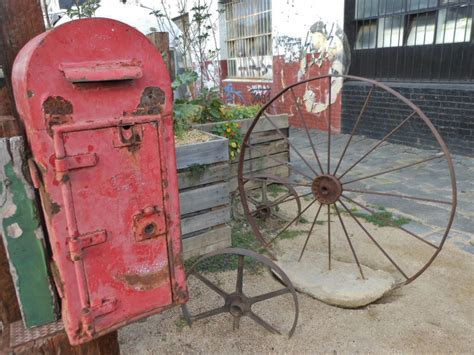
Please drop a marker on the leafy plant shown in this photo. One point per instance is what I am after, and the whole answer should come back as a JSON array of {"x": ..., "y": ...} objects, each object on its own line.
[
  {"x": 184, "y": 115},
  {"x": 86, "y": 8},
  {"x": 230, "y": 130},
  {"x": 196, "y": 170},
  {"x": 186, "y": 78},
  {"x": 239, "y": 112},
  {"x": 211, "y": 104}
]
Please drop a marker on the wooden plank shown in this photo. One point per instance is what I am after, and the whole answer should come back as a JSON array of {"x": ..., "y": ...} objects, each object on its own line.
[
  {"x": 204, "y": 153},
  {"x": 204, "y": 198},
  {"x": 205, "y": 220},
  {"x": 267, "y": 136},
  {"x": 210, "y": 174},
  {"x": 280, "y": 121},
  {"x": 261, "y": 163},
  {"x": 23, "y": 237},
  {"x": 271, "y": 148},
  {"x": 211, "y": 240},
  {"x": 280, "y": 170}
]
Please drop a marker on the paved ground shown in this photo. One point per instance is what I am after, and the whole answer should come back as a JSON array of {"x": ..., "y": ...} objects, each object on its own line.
[{"x": 428, "y": 180}]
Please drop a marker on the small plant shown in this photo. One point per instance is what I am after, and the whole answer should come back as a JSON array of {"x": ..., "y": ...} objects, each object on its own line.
[
  {"x": 83, "y": 9},
  {"x": 383, "y": 218},
  {"x": 183, "y": 117},
  {"x": 196, "y": 170},
  {"x": 275, "y": 189},
  {"x": 240, "y": 112},
  {"x": 230, "y": 130}
]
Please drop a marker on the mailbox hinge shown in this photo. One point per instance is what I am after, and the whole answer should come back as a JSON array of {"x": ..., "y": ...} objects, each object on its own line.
[
  {"x": 92, "y": 313},
  {"x": 72, "y": 162},
  {"x": 77, "y": 245}
]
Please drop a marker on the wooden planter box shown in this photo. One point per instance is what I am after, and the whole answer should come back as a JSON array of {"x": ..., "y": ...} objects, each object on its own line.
[
  {"x": 267, "y": 140},
  {"x": 203, "y": 172}
]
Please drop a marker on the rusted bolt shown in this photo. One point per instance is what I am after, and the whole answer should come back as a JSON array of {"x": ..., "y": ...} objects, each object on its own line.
[{"x": 150, "y": 229}]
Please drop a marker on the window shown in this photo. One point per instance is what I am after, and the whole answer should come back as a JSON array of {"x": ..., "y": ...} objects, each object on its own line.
[
  {"x": 395, "y": 23},
  {"x": 249, "y": 39}
]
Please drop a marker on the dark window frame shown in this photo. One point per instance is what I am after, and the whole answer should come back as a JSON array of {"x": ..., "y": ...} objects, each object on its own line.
[{"x": 436, "y": 62}]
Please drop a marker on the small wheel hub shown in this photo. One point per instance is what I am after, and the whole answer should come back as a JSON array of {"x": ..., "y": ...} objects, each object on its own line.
[
  {"x": 238, "y": 304},
  {"x": 264, "y": 211},
  {"x": 326, "y": 189}
]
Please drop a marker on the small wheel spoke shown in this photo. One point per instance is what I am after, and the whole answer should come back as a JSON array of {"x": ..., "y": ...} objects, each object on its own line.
[
  {"x": 361, "y": 113},
  {"x": 300, "y": 113},
  {"x": 293, "y": 221},
  {"x": 281, "y": 198},
  {"x": 390, "y": 222},
  {"x": 349, "y": 241},
  {"x": 395, "y": 169},
  {"x": 264, "y": 192},
  {"x": 240, "y": 275},
  {"x": 310, "y": 232},
  {"x": 209, "y": 284},
  {"x": 212, "y": 312},
  {"x": 373, "y": 240},
  {"x": 273, "y": 204},
  {"x": 384, "y": 139},
  {"x": 269, "y": 295},
  {"x": 290, "y": 144},
  {"x": 264, "y": 324},
  {"x": 388, "y": 194}
]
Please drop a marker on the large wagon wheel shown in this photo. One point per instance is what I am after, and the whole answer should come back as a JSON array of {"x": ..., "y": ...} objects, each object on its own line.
[{"x": 330, "y": 175}]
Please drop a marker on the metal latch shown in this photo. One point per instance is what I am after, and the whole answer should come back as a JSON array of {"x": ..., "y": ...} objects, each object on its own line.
[
  {"x": 75, "y": 162},
  {"x": 92, "y": 313},
  {"x": 77, "y": 245}
]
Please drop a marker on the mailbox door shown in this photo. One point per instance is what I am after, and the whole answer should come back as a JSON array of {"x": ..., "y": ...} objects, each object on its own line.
[{"x": 113, "y": 193}]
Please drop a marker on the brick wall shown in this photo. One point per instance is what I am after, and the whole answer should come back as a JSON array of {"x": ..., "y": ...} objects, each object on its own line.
[{"x": 450, "y": 107}]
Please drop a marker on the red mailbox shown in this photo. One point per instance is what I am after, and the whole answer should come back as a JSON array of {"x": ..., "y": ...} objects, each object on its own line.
[{"x": 96, "y": 101}]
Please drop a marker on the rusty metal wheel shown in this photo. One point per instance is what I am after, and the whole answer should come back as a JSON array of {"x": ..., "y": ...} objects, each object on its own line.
[
  {"x": 237, "y": 301},
  {"x": 265, "y": 194},
  {"x": 355, "y": 185}
]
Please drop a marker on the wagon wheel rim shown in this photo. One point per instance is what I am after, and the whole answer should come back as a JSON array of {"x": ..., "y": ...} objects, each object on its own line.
[
  {"x": 330, "y": 184},
  {"x": 236, "y": 302}
]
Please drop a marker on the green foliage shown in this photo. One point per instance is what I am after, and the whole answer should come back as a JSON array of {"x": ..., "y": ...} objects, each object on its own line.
[
  {"x": 211, "y": 104},
  {"x": 383, "y": 218},
  {"x": 184, "y": 115},
  {"x": 230, "y": 130},
  {"x": 86, "y": 9},
  {"x": 240, "y": 112},
  {"x": 275, "y": 189},
  {"x": 186, "y": 78},
  {"x": 196, "y": 170}
]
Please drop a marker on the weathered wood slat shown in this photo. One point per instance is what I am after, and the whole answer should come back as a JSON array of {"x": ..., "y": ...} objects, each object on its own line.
[
  {"x": 212, "y": 240},
  {"x": 204, "y": 153},
  {"x": 204, "y": 198},
  {"x": 280, "y": 121},
  {"x": 267, "y": 136},
  {"x": 211, "y": 174},
  {"x": 280, "y": 170},
  {"x": 265, "y": 149},
  {"x": 23, "y": 236},
  {"x": 205, "y": 220},
  {"x": 261, "y": 163}
]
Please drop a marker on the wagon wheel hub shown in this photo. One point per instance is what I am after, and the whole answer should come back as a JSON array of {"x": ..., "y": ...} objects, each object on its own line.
[
  {"x": 264, "y": 211},
  {"x": 238, "y": 304},
  {"x": 327, "y": 189}
]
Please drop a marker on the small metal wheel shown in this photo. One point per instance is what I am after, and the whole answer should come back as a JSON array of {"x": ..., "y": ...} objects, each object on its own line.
[
  {"x": 350, "y": 184},
  {"x": 266, "y": 194},
  {"x": 237, "y": 301}
]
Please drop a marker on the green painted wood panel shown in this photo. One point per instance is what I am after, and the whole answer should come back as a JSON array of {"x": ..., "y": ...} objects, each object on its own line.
[{"x": 23, "y": 237}]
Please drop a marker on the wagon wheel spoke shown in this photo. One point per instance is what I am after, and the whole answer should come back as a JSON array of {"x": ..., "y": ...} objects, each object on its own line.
[
  {"x": 391, "y": 223},
  {"x": 349, "y": 241},
  {"x": 264, "y": 324},
  {"x": 329, "y": 128},
  {"x": 373, "y": 240},
  {"x": 356, "y": 125},
  {"x": 264, "y": 192},
  {"x": 276, "y": 203},
  {"x": 269, "y": 295},
  {"x": 279, "y": 161},
  {"x": 303, "y": 121},
  {"x": 383, "y": 140},
  {"x": 290, "y": 223},
  {"x": 310, "y": 232},
  {"x": 388, "y": 194},
  {"x": 240, "y": 275},
  {"x": 209, "y": 284},
  {"x": 289, "y": 182},
  {"x": 290, "y": 144},
  {"x": 329, "y": 237},
  {"x": 212, "y": 312},
  {"x": 441, "y": 155}
]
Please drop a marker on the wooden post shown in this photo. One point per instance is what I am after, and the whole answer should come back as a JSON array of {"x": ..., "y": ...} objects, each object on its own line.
[
  {"x": 161, "y": 40},
  {"x": 20, "y": 21}
]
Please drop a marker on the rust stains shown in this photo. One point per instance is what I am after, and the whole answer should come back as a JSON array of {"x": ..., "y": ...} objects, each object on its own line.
[
  {"x": 147, "y": 280},
  {"x": 51, "y": 208},
  {"x": 151, "y": 102},
  {"x": 57, "y": 111}
]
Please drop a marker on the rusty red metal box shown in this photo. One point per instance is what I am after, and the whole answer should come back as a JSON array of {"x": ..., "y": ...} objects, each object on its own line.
[{"x": 96, "y": 101}]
